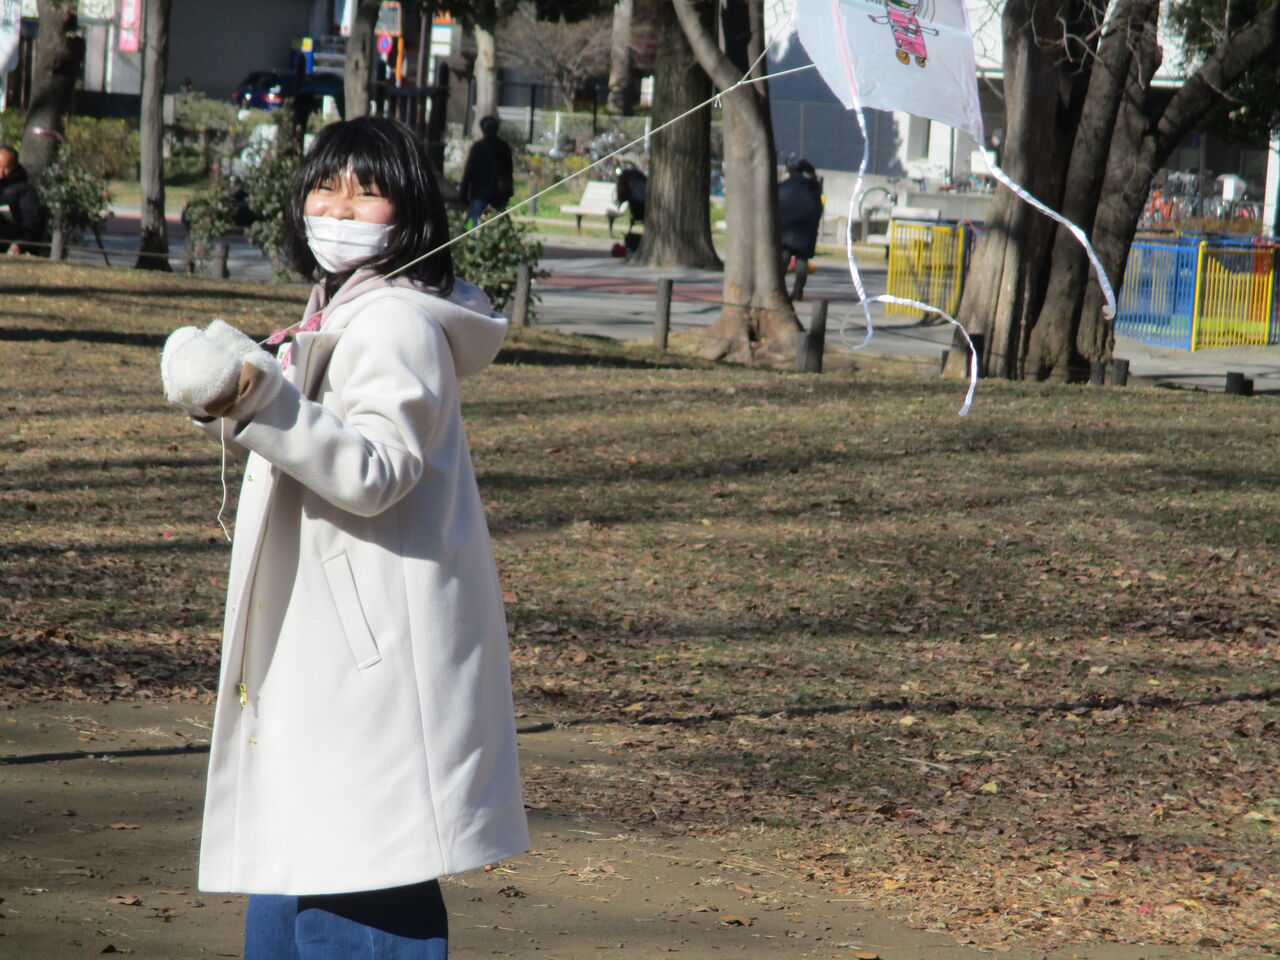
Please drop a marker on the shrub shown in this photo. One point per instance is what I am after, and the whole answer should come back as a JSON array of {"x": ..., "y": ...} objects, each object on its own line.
[
  {"x": 106, "y": 148},
  {"x": 490, "y": 258},
  {"x": 267, "y": 186},
  {"x": 11, "y": 124},
  {"x": 77, "y": 199},
  {"x": 209, "y": 215}
]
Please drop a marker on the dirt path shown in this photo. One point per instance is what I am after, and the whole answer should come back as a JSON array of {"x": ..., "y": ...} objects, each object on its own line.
[{"x": 100, "y": 810}]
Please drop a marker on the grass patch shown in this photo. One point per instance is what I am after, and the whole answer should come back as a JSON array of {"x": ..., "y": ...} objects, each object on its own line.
[{"x": 1014, "y": 673}]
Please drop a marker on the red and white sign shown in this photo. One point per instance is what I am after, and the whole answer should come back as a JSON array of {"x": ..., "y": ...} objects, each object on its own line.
[{"x": 130, "y": 25}]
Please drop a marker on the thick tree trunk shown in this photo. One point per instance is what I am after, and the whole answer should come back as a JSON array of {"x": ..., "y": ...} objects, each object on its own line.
[
  {"x": 1043, "y": 93},
  {"x": 486, "y": 73},
  {"x": 58, "y": 54},
  {"x": 620, "y": 58},
  {"x": 153, "y": 243},
  {"x": 1143, "y": 142},
  {"x": 1051, "y": 349},
  {"x": 1057, "y": 329},
  {"x": 357, "y": 71},
  {"x": 677, "y": 225},
  {"x": 756, "y": 319}
]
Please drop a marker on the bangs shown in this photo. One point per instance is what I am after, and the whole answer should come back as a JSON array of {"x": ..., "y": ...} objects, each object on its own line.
[{"x": 347, "y": 150}]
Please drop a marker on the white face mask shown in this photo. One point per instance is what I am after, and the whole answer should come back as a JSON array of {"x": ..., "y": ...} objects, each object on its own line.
[{"x": 339, "y": 245}]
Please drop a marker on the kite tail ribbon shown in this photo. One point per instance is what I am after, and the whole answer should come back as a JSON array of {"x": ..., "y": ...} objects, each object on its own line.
[{"x": 1109, "y": 310}]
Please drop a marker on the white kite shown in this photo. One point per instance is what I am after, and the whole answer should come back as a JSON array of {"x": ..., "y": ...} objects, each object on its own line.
[
  {"x": 913, "y": 56},
  {"x": 910, "y": 55}
]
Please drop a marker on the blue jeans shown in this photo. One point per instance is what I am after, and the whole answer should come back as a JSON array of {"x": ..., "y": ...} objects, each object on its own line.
[
  {"x": 476, "y": 207},
  {"x": 402, "y": 923}
]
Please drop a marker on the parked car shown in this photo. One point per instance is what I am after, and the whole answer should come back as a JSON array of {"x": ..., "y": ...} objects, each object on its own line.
[
  {"x": 264, "y": 90},
  {"x": 268, "y": 89}
]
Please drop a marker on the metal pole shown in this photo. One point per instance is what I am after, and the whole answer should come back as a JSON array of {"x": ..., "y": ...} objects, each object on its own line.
[{"x": 662, "y": 315}]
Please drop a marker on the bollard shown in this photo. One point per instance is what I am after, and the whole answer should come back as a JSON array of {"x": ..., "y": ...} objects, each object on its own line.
[
  {"x": 1239, "y": 385},
  {"x": 520, "y": 312},
  {"x": 1097, "y": 373},
  {"x": 220, "y": 254},
  {"x": 1119, "y": 372},
  {"x": 811, "y": 343},
  {"x": 942, "y": 361},
  {"x": 662, "y": 314}
]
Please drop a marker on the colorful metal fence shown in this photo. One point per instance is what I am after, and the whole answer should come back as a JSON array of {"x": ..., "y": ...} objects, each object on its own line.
[
  {"x": 927, "y": 262},
  {"x": 1194, "y": 293}
]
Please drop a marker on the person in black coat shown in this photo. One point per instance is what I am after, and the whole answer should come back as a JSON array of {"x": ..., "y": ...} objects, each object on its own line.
[
  {"x": 20, "y": 218},
  {"x": 487, "y": 179},
  {"x": 799, "y": 216}
]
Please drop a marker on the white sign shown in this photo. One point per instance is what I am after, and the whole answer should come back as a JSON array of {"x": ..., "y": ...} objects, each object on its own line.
[
  {"x": 910, "y": 55},
  {"x": 10, "y": 32}
]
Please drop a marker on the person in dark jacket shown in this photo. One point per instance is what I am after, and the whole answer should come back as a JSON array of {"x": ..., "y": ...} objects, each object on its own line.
[
  {"x": 20, "y": 219},
  {"x": 799, "y": 216},
  {"x": 487, "y": 176}
]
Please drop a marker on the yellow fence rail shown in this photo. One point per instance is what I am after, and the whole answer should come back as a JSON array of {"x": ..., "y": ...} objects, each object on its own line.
[
  {"x": 1235, "y": 302},
  {"x": 927, "y": 262}
]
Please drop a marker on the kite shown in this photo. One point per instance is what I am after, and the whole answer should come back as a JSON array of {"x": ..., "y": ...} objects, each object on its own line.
[{"x": 913, "y": 56}]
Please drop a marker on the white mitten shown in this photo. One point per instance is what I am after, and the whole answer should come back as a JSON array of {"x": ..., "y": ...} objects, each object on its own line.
[{"x": 219, "y": 372}]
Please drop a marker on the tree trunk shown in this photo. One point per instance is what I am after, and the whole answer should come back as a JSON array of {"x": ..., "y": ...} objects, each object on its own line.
[
  {"x": 1052, "y": 350},
  {"x": 1039, "y": 305},
  {"x": 153, "y": 245},
  {"x": 486, "y": 73},
  {"x": 357, "y": 70},
  {"x": 620, "y": 58},
  {"x": 677, "y": 225},
  {"x": 756, "y": 319},
  {"x": 1144, "y": 140},
  {"x": 58, "y": 54},
  {"x": 1043, "y": 92}
]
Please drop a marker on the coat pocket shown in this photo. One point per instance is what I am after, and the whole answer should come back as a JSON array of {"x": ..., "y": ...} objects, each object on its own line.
[{"x": 342, "y": 587}]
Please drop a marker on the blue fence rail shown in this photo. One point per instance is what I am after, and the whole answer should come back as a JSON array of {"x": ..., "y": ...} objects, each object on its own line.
[{"x": 1193, "y": 292}]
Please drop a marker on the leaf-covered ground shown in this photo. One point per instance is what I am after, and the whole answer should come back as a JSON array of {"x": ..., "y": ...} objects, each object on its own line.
[{"x": 1013, "y": 674}]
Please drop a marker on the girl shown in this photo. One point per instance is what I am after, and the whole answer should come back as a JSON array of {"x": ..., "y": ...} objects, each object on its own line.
[{"x": 364, "y": 737}]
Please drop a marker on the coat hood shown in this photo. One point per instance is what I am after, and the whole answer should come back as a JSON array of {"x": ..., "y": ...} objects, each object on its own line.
[{"x": 475, "y": 331}]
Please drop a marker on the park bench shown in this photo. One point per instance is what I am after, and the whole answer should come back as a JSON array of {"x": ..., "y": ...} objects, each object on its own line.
[
  {"x": 597, "y": 200},
  {"x": 900, "y": 213}
]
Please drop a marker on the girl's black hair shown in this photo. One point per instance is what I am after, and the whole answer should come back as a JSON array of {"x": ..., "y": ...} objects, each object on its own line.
[{"x": 386, "y": 154}]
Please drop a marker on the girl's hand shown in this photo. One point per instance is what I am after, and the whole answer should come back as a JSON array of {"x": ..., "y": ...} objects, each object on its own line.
[{"x": 218, "y": 372}]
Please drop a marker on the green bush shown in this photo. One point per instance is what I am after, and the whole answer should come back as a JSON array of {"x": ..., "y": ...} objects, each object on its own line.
[
  {"x": 205, "y": 130},
  {"x": 77, "y": 198},
  {"x": 490, "y": 258},
  {"x": 209, "y": 215},
  {"x": 106, "y": 148},
  {"x": 11, "y": 124},
  {"x": 267, "y": 186}
]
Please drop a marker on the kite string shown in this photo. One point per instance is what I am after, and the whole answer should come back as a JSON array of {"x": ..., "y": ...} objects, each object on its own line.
[{"x": 746, "y": 80}]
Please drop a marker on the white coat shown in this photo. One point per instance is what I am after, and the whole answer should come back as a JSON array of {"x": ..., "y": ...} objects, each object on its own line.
[{"x": 372, "y": 743}]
